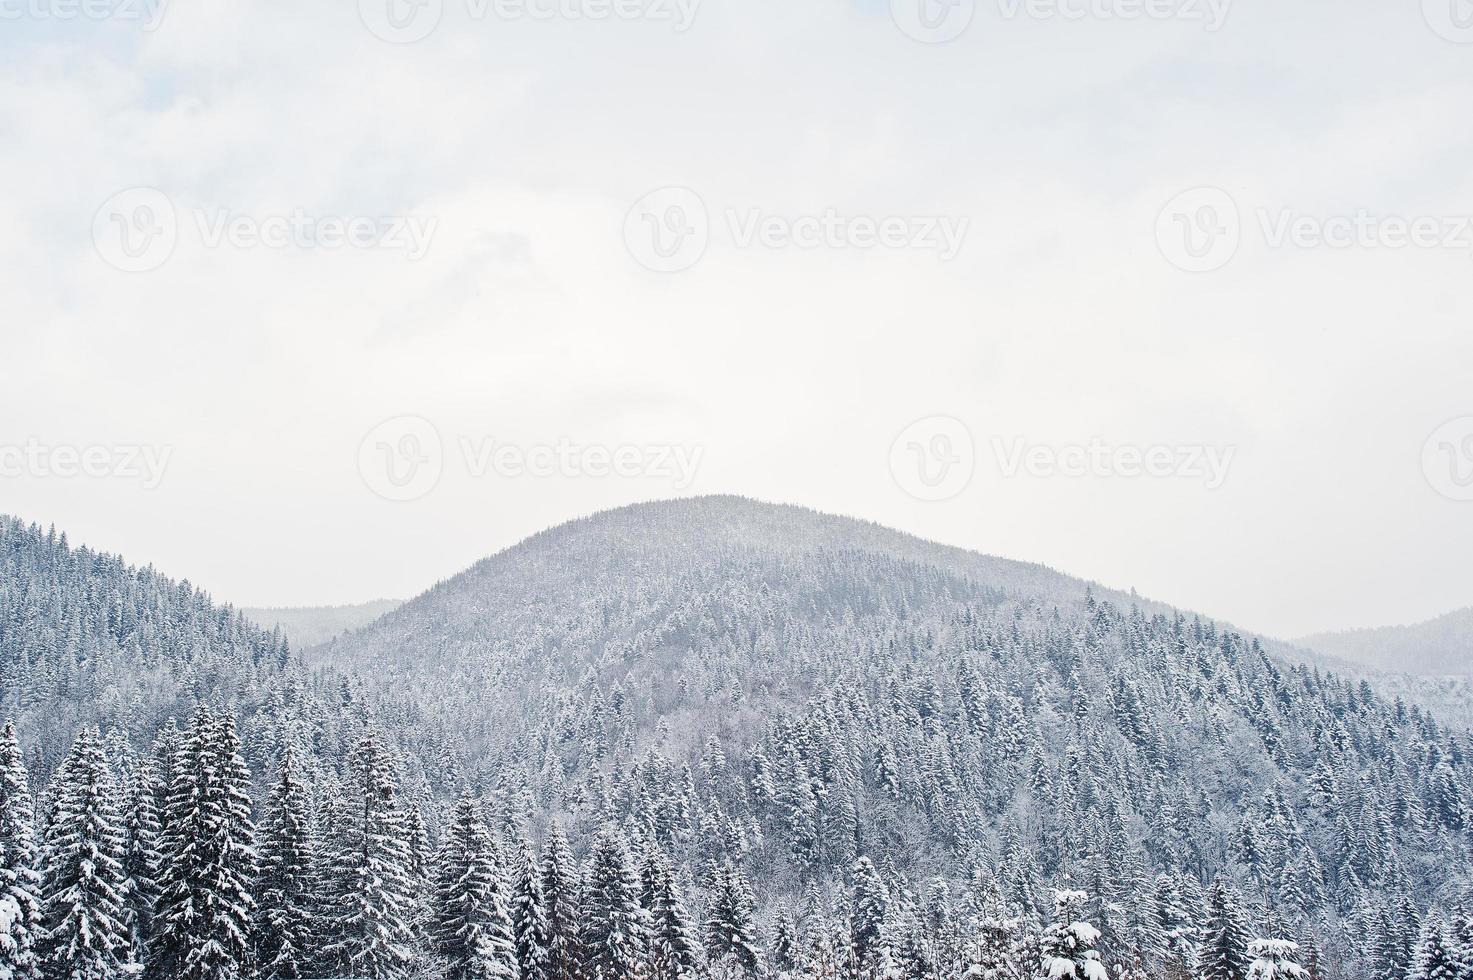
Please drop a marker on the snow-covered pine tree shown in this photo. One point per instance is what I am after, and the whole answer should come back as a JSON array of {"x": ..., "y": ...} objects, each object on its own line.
[
  {"x": 1437, "y": 955},
  {"x": 471, "y": 927},
  {"x": 206, "y": 909},
  {"x": 284, "y": 890},
  {"x": 528, "y": 912},
  {"x": 674, "y": 952},
  {"x": 142, "y": 861},
  {"x": 560, "y": 898},
  {"x": 20, "y": 875},
  {"x": 732, "y": 948},
  {"x": 370, "y": 927},
  {"x": 1068, "y": 945},
  {"x": 868, "y": 906},
  {"x": 1223, "y": 951},
  {"x": 614, "y": 926},
  {"x": 1274, "y": 959},
  {"x": 84, "y": 933}
]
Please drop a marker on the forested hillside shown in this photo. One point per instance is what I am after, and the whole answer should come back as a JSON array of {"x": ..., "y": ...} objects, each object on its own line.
[
  {"x": 308, "y": 626},
  {"x": 715, "y": 737},
  {"x": 1439, "y": 647}
]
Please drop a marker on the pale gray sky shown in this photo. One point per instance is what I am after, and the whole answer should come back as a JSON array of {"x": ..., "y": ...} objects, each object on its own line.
[{"x": 772, "y": 236}]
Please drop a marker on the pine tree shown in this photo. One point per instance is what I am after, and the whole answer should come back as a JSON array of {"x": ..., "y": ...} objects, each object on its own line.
[
  {"x": 1068, "y": 945},
  {"x": 560, "y": 904},
  {"x": 1274, "y": 959},
  {"x": 528, "y": 913},
  {"x": 85, "y": 935},
  {"x": 1223, "y": 954},
  {"x": 209, "y": 858},
  {"x": 370, "y": 926},
  {"x": 472, "y": 927},
  {"x": 20, "y": 876},
  {"x": 142, "y": 860},
  {"x": 674, "y": 952},
  {"x": 284, "y": 922},
  {"x": 1437, "y": 956},
  {"x": 615, "y": 929},
  {"x": 868, "y": 906}
]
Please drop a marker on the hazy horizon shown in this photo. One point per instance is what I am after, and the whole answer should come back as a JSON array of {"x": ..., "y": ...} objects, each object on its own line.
[{"x": 334, "y": 302}]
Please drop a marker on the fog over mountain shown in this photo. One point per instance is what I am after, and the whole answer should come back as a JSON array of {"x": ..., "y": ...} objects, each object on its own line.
[{"x": 1442, "y": 646}]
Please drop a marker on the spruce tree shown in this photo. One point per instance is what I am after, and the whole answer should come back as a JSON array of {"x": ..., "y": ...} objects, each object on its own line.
[
  {"x": 84, "y": 928},
  {"x": 20, "y": 875},
  {"x": 370, "y": 925},
  {"x": 472, "y": 927},
  {"x": 528, "y": 913},
  {"x": 1223, "y": 953},
  {"x": 209, "y": 858},
  {"x": 868, "y": 907},
  {"x": 1068, "y": 945},
  {"x": 1437, "y": 956},
  {"x": 674, "y": 950},
  {"x": 284, "y": 920},
  {"x": 559, "y": 879},
  {"x": 614, "y": 927},
  {"x": 1274, "y": 959},
  {"x": 142, "y": 860}
]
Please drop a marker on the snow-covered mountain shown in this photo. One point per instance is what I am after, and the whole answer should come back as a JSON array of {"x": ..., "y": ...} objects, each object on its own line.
[
  {"x": 1439, "y": 647},
  {"x": 306, "y": 626},
  {"x": 818, "y": 724}
]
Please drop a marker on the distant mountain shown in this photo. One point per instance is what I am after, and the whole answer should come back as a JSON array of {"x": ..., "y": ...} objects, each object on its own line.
[
  {"x": 308, "y": 626},
  {"x": 1439, "y": 647}
]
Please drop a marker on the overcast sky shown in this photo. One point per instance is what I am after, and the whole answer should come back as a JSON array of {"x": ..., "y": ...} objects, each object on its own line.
[{"x": 333, "y": 300}]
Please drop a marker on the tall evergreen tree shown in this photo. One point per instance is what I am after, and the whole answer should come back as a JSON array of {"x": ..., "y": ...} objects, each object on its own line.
[
  {"x": 142, "y": 859},
  {"x": 615, "y": 930},
  {"x": 1437, "y": 956},
  {"x": 370, "y": 929},
  {"x": 284, "y": 921},
  {"x": 559, "y": 879},
  {"x": 868, "y": 907},
  {"x": 1223, "y": 954},
  {"x": 209, "y": 858},
  {"x": 20, "y": 876},
  {"x": 84, "y": 927},
  {"x": 674, "y": 952},
  {"x": 1069, "y": 943},
  {"x": 472, "y": 927},
  {"x": 528, "y": 913}
]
